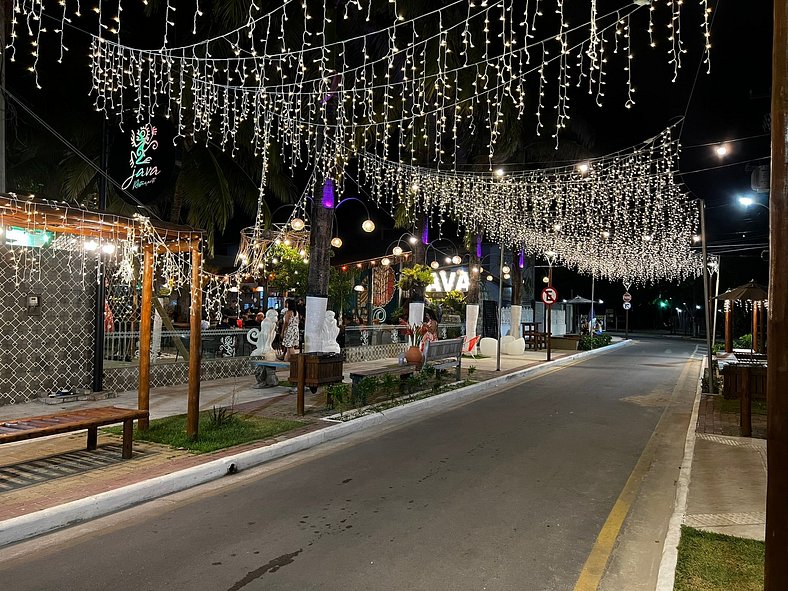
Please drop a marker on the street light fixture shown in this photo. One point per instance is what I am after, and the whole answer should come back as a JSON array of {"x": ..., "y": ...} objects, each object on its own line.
[{"x": 746, "y": 201}]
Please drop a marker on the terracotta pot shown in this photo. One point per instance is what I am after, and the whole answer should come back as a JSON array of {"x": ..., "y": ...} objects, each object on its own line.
[{"x": 414, "y": 356}]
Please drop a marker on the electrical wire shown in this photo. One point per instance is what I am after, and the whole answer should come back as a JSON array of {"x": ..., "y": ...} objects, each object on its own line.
[{"x": 78, "y": 152}]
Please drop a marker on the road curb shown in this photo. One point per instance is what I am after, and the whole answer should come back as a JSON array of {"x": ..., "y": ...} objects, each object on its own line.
[
  {"x": 40, "y": 522},
  {"x": 666, "y": 576}
]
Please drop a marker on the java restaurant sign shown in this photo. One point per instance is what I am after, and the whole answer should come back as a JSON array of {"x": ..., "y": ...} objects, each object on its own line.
[
  {"x": 143, "y": 146},
  {"x": 448, "y": 280}
]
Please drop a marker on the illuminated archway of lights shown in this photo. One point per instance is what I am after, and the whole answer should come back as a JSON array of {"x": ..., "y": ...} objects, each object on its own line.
[
  {"x": 410, "y": 88},
  {"x": 413, "y": 82},
  {"x": 617, "y": 217}
]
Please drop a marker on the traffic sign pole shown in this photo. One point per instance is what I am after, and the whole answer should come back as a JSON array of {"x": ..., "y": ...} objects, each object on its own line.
[
  {"x": 627, "y": 305},
  {"x": 549, "y": 313},
  {"x": 626, "y": 324}
]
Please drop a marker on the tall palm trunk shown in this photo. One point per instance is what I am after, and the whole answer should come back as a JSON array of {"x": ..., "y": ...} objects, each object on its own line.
[
  {"x": 420, "y": 247},
  {"x": 320, "y": 241},
  {"x": 517, "y": 278},
  {"x": 474, "y": 277}
]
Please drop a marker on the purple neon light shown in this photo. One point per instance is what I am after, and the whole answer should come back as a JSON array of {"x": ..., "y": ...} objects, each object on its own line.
[
  {"x": 478, "y": 247},
  {"x": 522, "y": 259},
  {"x": 425, "y": 236},
  {"x": 328, "y": 194}
]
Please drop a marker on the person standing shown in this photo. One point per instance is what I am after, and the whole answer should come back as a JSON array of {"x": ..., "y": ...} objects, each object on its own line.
[
  {"x": 290, "y": 329},
  {"x": 429, "y": 328}
]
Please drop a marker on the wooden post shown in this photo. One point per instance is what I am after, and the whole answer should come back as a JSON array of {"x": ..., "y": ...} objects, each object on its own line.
[
  {"x": 728, "y": 328},
  {"x": 143, "y": 393},
  {"x": 300, "y": 384},
  {"x": 745, "y": 407},
  {"x": 755, "y": 347},
  {"x": 195, "y": 316},
  {"x": 776, "y": 573}
]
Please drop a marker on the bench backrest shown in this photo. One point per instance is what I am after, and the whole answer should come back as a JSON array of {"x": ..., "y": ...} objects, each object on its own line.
[{"x": 443, "y": 349}]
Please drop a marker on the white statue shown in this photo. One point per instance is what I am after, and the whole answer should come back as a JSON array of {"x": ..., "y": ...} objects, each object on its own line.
[
  {"x": 329, "y": 333},
  {"x": 264, "y": 337}
]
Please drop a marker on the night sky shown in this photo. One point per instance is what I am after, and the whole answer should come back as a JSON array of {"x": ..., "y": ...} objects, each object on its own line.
[{"x": 729, "y": 103}]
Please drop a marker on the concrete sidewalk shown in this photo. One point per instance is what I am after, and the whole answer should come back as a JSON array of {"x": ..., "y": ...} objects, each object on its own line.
[{"x": 727, "y": 492}]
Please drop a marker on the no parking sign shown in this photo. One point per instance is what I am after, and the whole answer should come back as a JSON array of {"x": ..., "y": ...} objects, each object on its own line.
[{"x": 549, "y": 296}]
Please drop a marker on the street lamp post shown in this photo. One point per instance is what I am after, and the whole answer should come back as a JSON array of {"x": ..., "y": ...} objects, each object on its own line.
[
  {"x": 707, "y": 298},
  {"x": 500, "y": 300},
  {"x": 550, "y": 256}
]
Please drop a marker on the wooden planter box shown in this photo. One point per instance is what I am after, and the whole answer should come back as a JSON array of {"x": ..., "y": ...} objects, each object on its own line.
[
  {"x": 733, "y": 380},
  {"x": 319, "y": 369},
  {"x": 566, "y": 342}
]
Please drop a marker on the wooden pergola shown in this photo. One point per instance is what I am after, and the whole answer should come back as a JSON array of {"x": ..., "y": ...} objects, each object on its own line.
[{"x": 29, "y": 213}]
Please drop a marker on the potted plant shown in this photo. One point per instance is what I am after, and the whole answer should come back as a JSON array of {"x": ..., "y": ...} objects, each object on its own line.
[
  {"x": 415, "y": 280},
  {"x": 413, "y": 354}
]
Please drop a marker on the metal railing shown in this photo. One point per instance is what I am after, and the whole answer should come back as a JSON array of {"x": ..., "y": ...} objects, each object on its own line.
[
  {"x": 386, "y": 334},
  {"x": 216, "y": 343}
]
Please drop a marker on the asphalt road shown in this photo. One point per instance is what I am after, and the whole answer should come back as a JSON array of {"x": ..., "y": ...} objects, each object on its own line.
[{"x": 507, "y": 492}]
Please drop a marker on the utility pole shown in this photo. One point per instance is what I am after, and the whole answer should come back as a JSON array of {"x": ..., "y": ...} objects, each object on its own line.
[
  {"x": 776, "y": 573},
  {"x": 5, "y": 11},
  {"x": 707, "y": 299},
  {"x": 500, "y": 301},
  {"x": 101, "y": 296}
]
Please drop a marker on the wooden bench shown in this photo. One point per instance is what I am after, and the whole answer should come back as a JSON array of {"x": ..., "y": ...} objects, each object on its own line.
[
  {"x": 76, "y": 420},
  {"x": 445, "y": 354},
  {"x": 265, "y": 372}
]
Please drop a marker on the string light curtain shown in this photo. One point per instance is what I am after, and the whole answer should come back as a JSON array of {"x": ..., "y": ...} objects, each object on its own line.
[
  {"x": 404, "y": 86},
  {"x": 410, "y": 91}
]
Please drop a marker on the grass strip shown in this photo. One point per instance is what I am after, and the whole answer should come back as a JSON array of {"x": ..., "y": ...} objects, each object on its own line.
[
  {"x": 212, "y": 435},
  {"x": 716, "y": 562},
  {"x": 733, "y": 406}
]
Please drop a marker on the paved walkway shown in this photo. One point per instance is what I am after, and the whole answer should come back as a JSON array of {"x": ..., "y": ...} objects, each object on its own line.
[{"x": 727, "y": 491}]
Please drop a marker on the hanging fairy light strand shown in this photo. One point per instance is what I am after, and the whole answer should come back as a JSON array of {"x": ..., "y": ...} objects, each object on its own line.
[
  {"x": 260, "y": 76},
  {"x": 413, "y": 84},
  {"x": 617, "y": 217}
]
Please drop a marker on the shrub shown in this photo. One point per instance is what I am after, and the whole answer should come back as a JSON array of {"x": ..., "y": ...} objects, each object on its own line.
[
  {"x": 338, "y": 396},
  {"x": 594, "y": 341},
  {"x": 743, "y": 342},
  {"x": 220, "y": 416},
  {"x": 365, "y": 390}
]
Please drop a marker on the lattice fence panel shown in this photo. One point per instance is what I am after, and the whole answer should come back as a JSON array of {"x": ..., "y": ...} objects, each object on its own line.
[{"x": 40, "y": 354}]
